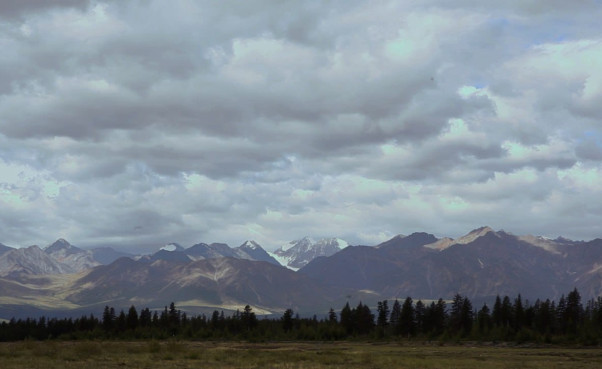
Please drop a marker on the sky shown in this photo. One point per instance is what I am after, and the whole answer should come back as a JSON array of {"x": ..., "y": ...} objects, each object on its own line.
[{"x": 132, "y": 124}]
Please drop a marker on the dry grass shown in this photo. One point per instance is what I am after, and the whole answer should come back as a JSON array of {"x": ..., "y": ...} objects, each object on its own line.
[{"x": 175, "y": 354}]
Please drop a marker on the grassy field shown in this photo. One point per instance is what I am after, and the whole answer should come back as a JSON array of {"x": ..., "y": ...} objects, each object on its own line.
[{"x": 171, "y": 354}]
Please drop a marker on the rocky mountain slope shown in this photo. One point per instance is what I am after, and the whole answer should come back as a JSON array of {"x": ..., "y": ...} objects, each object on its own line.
[
  {"x": 59, "y": 257},
  {"x": 28, "y": 261},
  {"x": 73, "y": 257}
]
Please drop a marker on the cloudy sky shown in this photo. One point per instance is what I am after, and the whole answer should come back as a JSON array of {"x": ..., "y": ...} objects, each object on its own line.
[{"x": 133, "y": 124}]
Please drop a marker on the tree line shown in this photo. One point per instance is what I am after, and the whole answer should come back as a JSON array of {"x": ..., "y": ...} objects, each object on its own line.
[{"x": 563, "y": 321}]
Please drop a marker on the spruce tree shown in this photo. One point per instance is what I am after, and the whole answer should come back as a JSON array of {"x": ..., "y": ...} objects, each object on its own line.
[
  {"x": 395, "y": 315},
  {"x": 363, "y": 319},
  {"x": 145, "y": 318},
  {"x": 506, "y": 312},
  {"x": 497, "y": 312},
  {"x": 466, "y": 316},
  {"x": 108, "y": 318},
  {"x": 248, "y": 318},
  {"x": 573, "y": 311},
  {"x": 382, "y": 314},
  {"x": 121, "y": 322},
  {"x": 519, "y": 313},
  {"x": 287, "y": 320},
  {"x": 132, "y": 318},
  {"x": 419, "y": 312},
  {"x": 455, "y": 314},
  {"x": 347, "y": 318},
  {"x": 407, "y": 318},
  {"x": 332, "y": 316},
  {"x": 484, "y": 319}
]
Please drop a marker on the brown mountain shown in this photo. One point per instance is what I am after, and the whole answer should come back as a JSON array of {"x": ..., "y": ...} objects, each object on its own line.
[
  {"x": 479, "y": 265},
  {"x": 216, "y": 282}
]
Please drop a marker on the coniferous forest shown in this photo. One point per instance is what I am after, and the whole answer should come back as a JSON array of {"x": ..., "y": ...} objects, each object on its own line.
[{"x": 567, "y": 320}]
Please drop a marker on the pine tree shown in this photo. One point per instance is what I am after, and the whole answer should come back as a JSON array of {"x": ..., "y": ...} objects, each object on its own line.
[
  {"x": 455, "y": 314},
  {"x": 121, "y": 322},
  {"x": 497, "y": 312},
  {"x": 435, "y": 317},
  {"x": 132, "y": 318},
  {"x": 573, "y": 312},
  {"x": 332, "y": 316},
  {"x": 484, "y": 319},
  {"x": 544, "y": 316},
  {"x": 347, "y": 318},
  {"x": 214, "y": 320},
  {"x": 174, "y": 315},
  {"x": 248, "y": 318},
  {"x": 560, "y": 317},
  {"x": 467, "y": 317},
  {"x": 363, "y": 319},
  {"x": 519, "y": 313},
  {"x": 407, "y": 318},
  {"x": 145, "y": 319},
  {"x": 108, "y": 318},
  {"x": 506, "y": 312},
  {"x": 419, "y": 312},
  {"x": 287, "y": 320},
  {"x": 382, "y": 314},
  {"x": 395, "y": 315}
]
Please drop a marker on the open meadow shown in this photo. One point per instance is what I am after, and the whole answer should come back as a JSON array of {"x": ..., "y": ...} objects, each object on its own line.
[{"x": 173, "y": 354}]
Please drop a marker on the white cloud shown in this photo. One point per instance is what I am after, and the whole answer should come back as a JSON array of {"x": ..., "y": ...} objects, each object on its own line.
[{"x": 121, "y": 126}]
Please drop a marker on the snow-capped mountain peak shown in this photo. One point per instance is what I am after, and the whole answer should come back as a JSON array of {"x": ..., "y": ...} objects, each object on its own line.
[
  {"x": 342, "y": 243},
  {"x": 251, "y": 245},
  {"x": 172, "y": 247},
  {"x": 296, "y": 254},
  {"x": 305, "y": 241}
]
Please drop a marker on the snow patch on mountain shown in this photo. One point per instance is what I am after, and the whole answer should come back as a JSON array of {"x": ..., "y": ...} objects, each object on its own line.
[
  {"x": 304, "y": 242},
  {"x": 284, "y": 260},
  {"x": 171, "y": 247},
  {"x": 251, "y": 245},
  {"x": 342, "y": 243},
  {"x": 296, "y": 254}
]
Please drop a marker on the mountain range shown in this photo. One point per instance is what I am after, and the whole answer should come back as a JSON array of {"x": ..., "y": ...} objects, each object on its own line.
[{"x": 305, "y": 275}]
